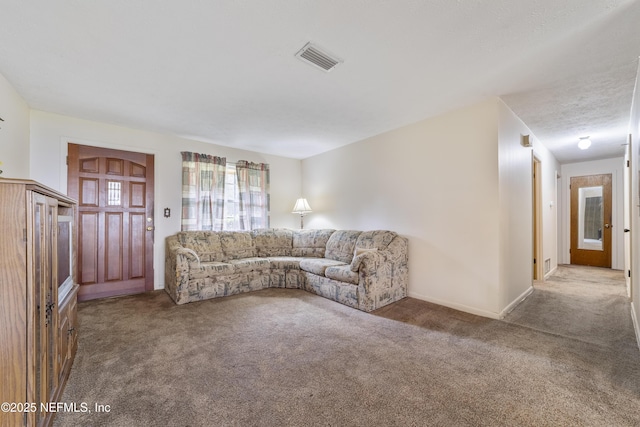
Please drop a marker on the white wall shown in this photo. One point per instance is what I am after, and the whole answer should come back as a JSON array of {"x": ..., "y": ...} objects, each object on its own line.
[
  {"x": 435, "y": 182},
  {"x": 516, "y": 211},
  {"x": 14, "y": 132},
  {"x": 516, "y": 207},
  {"x": 50, "y": 134},
  {"x": 516, "y": 175},
  {"x": 616, "y": 168},
  {"x": 459, "y": 186}
]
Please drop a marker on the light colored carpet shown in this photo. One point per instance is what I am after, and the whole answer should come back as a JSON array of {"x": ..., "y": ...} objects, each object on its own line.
[
  {"x": 584, "y": 303},
  {"x": 289, "y": 358}
]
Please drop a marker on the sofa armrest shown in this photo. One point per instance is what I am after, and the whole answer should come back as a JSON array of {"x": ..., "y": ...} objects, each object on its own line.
[
  {"x": 367, "y": 261},
  {"x": 187, "y": 253},
  {"x": 395, "y": 253},
  {"x": 176, "y": 272},
  {"x": 383, "y": 275}
]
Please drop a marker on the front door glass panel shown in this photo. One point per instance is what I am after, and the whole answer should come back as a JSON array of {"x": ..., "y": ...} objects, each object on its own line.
[{"x": 591, "y": 218}]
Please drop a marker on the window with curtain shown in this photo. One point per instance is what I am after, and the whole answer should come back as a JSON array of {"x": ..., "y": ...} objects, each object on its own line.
[
  {"x": 217, "y": 195},
  {"x": 203, "y": 178}
]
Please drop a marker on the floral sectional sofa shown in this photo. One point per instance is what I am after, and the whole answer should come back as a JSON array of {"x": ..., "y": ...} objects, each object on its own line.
[{"x": 362, "y": 269}]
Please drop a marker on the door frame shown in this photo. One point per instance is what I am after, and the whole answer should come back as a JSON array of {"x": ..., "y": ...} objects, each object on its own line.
[
  {"x": 628, "y": 213},
  {"x": 538, "y": 261}
]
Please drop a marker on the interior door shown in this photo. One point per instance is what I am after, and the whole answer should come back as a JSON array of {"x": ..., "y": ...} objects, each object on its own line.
[
  {"x": 591, "y": 220},
  {"x": 114, "y": 190}
]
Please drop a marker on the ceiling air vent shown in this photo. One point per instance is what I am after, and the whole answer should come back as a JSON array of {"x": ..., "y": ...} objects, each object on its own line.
[{"x": 312, "y": 54}]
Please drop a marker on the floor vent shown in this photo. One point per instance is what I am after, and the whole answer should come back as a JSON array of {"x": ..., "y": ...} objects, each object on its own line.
[{"x": 319, "y": 58}]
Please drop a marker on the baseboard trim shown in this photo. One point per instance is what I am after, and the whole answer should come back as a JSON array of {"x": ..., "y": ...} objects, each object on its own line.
[
  {"x": 515, "y": 302},
  {"x": 636, "y": 327},
  {"x": 550, "y": 273},
  {"x": 459, "y": 307}
]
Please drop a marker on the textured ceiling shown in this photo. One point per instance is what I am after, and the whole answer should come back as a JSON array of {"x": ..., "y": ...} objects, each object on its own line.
[{"x": 224, "y": 71}]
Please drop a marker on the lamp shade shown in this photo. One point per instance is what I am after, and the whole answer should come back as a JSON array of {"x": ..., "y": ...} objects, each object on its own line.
[{"x": 302, "y": 207}]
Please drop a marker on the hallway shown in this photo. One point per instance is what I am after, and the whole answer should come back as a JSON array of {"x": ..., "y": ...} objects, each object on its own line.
[{"x": 588, "y": 304}]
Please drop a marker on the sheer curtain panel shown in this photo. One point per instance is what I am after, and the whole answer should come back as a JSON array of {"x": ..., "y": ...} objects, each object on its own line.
[
  {"x": 202, "y": 191},
  {"x": 253, "y": 194}
]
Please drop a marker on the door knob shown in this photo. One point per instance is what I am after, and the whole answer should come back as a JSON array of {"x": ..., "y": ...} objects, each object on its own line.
[
  {"x": 608, "y": 226},
  {"x": 149, "y": 228}
]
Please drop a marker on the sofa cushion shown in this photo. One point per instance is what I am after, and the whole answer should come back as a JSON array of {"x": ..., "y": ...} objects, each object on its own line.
[
  {"x": 285, "y": 262},
  {"x": 377, "y": 239},
  {"x": 246, "y": 265},
  {"x": 341, "y": 245},
  {"x": 342, "y": 273},
  {"x": 204, "y": 243},
  {"x": 202, "y": 270},
  {"x": 237, "y": 244},
  {"x": 273, "y": 242},
  {"x": 310, "y": 243},
  {"x": 318, "y": 265}
]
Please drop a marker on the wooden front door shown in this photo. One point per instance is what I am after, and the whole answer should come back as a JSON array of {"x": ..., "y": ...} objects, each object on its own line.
[
  {"x": 591, "y": 220},
  {"x": 114, "y": 190}
]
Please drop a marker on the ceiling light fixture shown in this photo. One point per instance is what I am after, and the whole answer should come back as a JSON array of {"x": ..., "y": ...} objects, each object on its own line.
[{"x": 584, "y": 143}]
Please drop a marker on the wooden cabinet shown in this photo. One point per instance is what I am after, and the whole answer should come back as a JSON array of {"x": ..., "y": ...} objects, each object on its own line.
[
  {"x": 68, "y": 335},
  {"x": 36, "y": 257}
]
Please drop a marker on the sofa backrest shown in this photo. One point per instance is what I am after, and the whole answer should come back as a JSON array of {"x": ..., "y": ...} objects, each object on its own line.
[
  {"x": 338, "y": 245},
  {"x": 273, "y": 242},
  {"x": 376, "y": 239},
  {"x": 310, "y": 243},
  {"x": 205, "y": 243},
  {"x": 237, "y": 244},
  {"x": 341, "y": 245}
]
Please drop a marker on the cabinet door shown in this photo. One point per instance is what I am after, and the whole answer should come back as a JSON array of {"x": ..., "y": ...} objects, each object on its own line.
[
  {"x": 67, "y": 336},
  {"x": 51, "y": 308},
  {"x": 73, "y": 326},
  {"x": 39, "y": 327},
  {"x": 43, "y": 379},
  {"x": 63, "y": 343}
]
